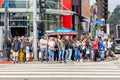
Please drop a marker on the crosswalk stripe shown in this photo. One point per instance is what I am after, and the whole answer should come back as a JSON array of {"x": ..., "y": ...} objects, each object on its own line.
[
  {"x": 58, "y": 76},
  {"x": 85, "y": 70},
  {"x": 60, "y": 73}
]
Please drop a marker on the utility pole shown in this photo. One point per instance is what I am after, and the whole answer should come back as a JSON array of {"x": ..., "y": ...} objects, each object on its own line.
[
  {"x": 5, "y": 43},
  {"x": 35, "y": 29}
]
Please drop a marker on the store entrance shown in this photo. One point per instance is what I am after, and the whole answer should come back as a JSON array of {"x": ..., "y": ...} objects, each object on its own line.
[{"x": 18, "y": 31}]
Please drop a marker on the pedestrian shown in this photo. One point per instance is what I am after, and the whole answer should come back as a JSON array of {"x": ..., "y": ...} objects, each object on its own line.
[
  {"x": 109, "y": 46},
  {"x": 76, "y": 46},
  {"x": 61, "y": 46},
  {"x": 101, "y": 49},
  {"x": 27, "y": 49},
  {"x": 95, "y": 48},
  {"x": 88, "y": 49},
  {"x": 69, "y": 50},
  {"x": 51, "y": 45},
  {"x": 43, "y": 48},
  {"x": 16, "y": 48},
  {"x": 83, "y": 49},
  {"x": 56, "y": 57}
]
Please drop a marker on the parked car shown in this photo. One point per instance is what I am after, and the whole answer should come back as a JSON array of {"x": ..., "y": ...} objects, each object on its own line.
[{"x": 117, "y": 45}]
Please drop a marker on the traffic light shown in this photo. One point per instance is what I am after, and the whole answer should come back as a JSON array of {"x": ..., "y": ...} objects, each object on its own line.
[
  {"x": 105, "y": 9},
  {"x": 42, "y": 4},
  {"x": 31, "y": 28},
  {"x": 40, "y": 26},
  {"x": 103, "y": 28}
]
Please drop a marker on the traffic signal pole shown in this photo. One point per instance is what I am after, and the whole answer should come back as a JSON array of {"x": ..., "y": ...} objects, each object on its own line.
[
  {"x": 5, "y": 43},
  {"x": 35, "y": 29}
]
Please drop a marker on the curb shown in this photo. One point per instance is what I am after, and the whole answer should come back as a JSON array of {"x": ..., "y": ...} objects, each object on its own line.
[{"x": 7, "y": 62}]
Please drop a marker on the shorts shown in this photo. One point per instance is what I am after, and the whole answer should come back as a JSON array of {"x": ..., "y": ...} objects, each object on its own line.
[{"x": 15, "y": 53}]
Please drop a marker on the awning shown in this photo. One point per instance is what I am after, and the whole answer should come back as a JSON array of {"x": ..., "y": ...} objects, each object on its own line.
[{"x": 63, "y": 31}]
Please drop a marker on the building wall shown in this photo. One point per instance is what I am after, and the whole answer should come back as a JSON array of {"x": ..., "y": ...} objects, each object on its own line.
[{"x": 66, "y": 19}]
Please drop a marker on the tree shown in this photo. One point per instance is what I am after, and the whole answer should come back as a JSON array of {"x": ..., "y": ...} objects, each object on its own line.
[{"x": 114, "y": 18}]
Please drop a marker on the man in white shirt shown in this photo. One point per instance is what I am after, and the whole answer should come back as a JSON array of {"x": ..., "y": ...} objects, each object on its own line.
[{"x": 43, "y": 47}]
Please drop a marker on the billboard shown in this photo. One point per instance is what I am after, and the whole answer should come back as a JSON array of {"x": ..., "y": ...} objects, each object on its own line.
[{"x": 86, "y": 8}]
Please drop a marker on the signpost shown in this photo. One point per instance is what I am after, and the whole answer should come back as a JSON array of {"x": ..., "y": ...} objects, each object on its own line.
[
  {"x": 35, "y": 29},
  {"x": 101, "y": 22},
  {"x": 5, "y": 43}
]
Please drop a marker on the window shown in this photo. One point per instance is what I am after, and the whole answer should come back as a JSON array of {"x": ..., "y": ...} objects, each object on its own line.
[
  {"x": 17, "y": 4},
  {"x": 117, "y": 41}
]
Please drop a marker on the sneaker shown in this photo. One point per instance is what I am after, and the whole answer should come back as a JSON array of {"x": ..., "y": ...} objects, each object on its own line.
[{"x": 81, "y": 60}]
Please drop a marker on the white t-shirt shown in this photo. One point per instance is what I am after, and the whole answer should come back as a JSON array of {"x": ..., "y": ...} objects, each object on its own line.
[
  {"x": 43, "y": 43},
  {"x": 109, "y": 44},
  {"x": 51, "y": 44}
]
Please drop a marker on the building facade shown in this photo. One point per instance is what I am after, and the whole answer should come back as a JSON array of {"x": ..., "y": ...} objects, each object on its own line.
[
  {"x": 59, "y": 13},
  {"x": 21, "y": 16}
]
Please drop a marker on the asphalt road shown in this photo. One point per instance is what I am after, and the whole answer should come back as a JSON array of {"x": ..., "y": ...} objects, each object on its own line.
[{"x": 107, "y": 70}]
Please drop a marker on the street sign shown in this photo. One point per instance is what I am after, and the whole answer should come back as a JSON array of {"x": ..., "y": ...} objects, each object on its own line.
[
  {"x": 100, "y": 33},
  {"x": 101, "y": 22},
  {"x": 7, "y": 3}
]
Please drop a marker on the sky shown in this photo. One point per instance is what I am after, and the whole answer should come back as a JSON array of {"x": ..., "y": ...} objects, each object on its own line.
[{"x": 111, "y": 4}]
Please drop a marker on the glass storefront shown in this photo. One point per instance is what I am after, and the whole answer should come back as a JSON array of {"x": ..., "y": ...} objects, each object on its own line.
[
  {"x": 18, "y": 4},
  {"x": 18, "y": 19},
  {"x": 25, "y": 19},
  {"x": 51, "y": 21}
]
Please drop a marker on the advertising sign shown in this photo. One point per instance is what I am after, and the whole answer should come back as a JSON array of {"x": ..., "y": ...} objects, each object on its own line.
[
  {"x": 86, "y": 8},
  {"x": 100, "y": 33}
]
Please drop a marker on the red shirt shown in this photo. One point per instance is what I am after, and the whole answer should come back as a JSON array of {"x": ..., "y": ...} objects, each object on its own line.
[{"x": 95, "y": 45}]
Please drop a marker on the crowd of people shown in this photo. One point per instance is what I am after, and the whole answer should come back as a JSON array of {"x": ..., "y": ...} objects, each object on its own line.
[{"x": 62, "y": 49}]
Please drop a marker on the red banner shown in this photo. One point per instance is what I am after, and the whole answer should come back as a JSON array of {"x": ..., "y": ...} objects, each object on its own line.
[{"x": 1, "y": 1}]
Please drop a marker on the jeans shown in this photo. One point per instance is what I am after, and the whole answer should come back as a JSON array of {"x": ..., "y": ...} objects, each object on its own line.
[
  {"x": 102, "y": 54},
  {"x": 88, "y": 56},
  {"x": 61, "y": 52},
  {"x": 68, "y": 54},
  {"x": 51, "y": 54},
  {"x": 88, "y": 53},
  {"x": 77, "y": 54},
  {"x": 44, "y": 53},
  {"x": 96, "y": 55}
]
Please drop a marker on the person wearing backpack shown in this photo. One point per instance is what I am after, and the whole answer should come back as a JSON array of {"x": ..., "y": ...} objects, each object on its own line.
[{"x": 101, "y": 49}]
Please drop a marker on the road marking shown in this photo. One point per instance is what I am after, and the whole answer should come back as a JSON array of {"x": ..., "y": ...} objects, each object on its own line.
[
  {"x": 68, "y": 70},
  {"x": 58, "y": 76},
  {"x": 60, "y": 73}
]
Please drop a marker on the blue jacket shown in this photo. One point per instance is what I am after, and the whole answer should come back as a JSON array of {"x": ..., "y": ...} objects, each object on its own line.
[{"x": 101, "y": 46}]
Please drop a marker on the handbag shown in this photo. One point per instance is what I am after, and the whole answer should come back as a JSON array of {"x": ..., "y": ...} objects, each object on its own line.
[
  {"x": 87, "y": 51},
  {"x": 52, "y": 48}
]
